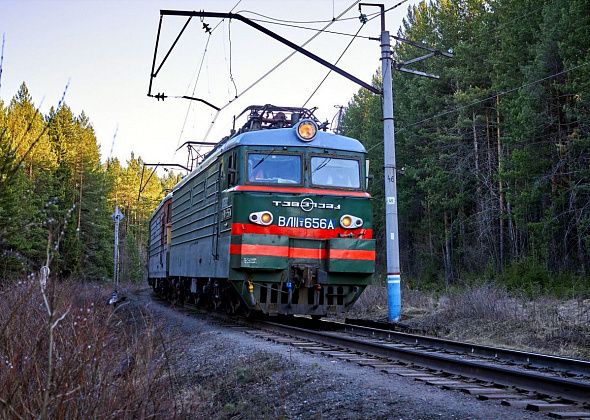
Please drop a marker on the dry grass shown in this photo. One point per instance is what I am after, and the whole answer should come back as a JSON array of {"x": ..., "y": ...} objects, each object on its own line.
[
  {"x": 99, "y": 362},
  {"x": 488, "y": 314},
  {"x": 372, "y": 304}
]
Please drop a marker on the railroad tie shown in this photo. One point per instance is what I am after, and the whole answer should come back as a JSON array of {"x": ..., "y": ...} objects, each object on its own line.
[
  {"x": 569, "y": 414},
  {"x": 551, "y": 407}
]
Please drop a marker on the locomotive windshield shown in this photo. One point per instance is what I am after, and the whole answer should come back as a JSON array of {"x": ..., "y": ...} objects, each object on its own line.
[
  {"x": 269, "y": 168},
  {"x": 335, "y": 172}
]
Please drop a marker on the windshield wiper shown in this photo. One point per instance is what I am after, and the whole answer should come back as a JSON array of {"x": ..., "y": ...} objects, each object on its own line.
[
  {"x": 264, "y": 158},
  {"x": 322, "y": 165}
]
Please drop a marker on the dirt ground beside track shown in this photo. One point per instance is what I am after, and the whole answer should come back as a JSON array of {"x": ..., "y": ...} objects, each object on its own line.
[{"x": 219, "y": 372}]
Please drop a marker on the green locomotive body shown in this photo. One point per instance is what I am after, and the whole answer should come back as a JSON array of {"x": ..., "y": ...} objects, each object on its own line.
[{"x": 269, "y": 221}]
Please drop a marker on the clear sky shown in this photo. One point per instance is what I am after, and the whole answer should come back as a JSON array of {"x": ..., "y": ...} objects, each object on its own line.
[{"x": 105, "y": 49}]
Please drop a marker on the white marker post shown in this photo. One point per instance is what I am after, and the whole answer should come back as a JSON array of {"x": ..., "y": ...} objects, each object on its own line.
[{"x": 117, "y": 217}]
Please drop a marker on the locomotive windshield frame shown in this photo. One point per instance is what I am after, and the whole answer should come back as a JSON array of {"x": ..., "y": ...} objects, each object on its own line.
[
  {"x": 261, "y": 173},
  {"x": 335, "y": 176}
]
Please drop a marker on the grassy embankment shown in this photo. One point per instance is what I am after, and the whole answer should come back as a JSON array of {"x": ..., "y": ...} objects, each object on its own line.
[{"x": 490, "y": 314}]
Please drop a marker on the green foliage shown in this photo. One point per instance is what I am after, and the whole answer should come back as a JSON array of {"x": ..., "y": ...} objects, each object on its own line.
[
  {"x": 494, "y": 157},
  {"x": 134, "y": 266},
  {"x": 530, "y": 277},
  {"x": 56, "y": 199}
]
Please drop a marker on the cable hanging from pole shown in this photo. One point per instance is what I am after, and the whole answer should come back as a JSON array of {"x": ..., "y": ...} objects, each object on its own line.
[
  {"x": 330, "y": 71},
  {"x": 231, "y": 76},
  {"x": 276, "y": 67}
]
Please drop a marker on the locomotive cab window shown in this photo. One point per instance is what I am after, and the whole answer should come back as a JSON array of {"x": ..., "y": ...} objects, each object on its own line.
[
  {"x": 327, "y": 171},
  {"x": 269, "y": 168},
  {"x": 232, "y": 172}
]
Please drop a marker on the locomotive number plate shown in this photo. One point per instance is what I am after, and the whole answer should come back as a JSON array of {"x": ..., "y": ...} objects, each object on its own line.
[{"x": 306, "y": 222}]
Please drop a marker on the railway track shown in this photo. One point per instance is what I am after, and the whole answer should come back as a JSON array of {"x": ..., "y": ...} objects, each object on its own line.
[
  {"x": 564, "y": 366},
  {"x": 559, "y": 387},
  {"x": 487, "y": 373}
]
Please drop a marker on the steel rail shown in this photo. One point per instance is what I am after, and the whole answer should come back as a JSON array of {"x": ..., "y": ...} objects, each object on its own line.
[
  {"x": 564, "y": 388},
  {"x": 536, "y": 360}
]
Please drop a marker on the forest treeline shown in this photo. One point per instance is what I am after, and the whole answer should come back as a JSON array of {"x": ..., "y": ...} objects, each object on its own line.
[
  {"x": 56, "y": 197},
  {"x": 493, "y": 159}
]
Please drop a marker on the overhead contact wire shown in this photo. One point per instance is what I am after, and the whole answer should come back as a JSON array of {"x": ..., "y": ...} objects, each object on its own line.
[
  {"x": 275, "y": 67},
  {"x": 312, "y": 29},
  {"x": 197, "y": 79},
  {"x": 334, "y": 19},
  {"x": 330, "y": 70},
  {"x": 188, "y": 109}
]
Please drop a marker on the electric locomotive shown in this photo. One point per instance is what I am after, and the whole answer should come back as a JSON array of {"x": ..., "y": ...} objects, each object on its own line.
[{"x": 275, "y": 219}]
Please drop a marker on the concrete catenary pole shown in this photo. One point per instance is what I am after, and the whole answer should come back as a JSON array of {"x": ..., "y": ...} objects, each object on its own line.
[{"x": 391, "y": 224}]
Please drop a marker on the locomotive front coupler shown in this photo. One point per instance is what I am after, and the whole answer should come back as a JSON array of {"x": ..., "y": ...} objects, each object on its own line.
[
  {"x": 306, "y": 275},
  {"x": 248, "y": 287},
  {"x": 303, "y": 275}
]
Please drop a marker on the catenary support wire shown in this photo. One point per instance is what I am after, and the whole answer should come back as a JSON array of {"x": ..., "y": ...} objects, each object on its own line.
[
  {"x": 330, "y": 71},
  {"x": 280, "y": 63}
]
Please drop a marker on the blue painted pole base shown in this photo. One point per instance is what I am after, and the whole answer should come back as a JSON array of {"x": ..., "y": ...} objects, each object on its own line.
[{"x": 394, "y": 302}]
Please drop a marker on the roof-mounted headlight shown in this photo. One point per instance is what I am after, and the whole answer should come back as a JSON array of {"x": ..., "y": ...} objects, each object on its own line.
[{"x": 306, "y": 130}]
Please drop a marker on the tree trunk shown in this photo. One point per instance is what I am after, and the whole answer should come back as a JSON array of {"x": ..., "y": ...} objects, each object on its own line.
[
  {"x": 430, "y": 241},
  {"x": 500, "y": 188},
  {"x": 479, "y": 206},
  {"x": 511, "y": 232},
  {"x": 580, "y": 242},
  {"x": 80, "y": 205},
  {"x": 447, "y": 252},
  {"x": 490, "y": 198}
]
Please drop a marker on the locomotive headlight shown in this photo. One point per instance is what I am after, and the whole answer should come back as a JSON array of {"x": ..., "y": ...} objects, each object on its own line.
[
  {"x": 350, "y": 222},
  {"x": 345, "y": 221},
  {"x": 263, "y": 218},
  {"x": 306, "y": 130},
  {"x": 266, "y": 218}
]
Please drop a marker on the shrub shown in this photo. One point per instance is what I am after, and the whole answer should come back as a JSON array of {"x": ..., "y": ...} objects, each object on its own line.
[
  {"x": 530, "y": 277},
  {"x": 73, "y": 356}
]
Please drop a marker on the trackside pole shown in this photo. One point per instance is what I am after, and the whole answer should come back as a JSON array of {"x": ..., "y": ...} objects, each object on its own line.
[
  {"x": 391, "y": 225},
  {"x": 117, "y": 217}
]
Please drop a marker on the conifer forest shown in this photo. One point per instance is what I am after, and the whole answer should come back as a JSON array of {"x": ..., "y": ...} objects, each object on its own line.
[
  {"x": 493, "y": 159},
  {"x": 56, "y": 197}
]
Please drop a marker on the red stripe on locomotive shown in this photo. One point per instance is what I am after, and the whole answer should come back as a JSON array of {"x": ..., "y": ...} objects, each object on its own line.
[
  {"x": 307, "y": 253},
  {"x": 241, "y": 228}
]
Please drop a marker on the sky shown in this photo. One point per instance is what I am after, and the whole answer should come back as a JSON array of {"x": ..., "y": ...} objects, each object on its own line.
[{"x": 103, "y": 52}]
